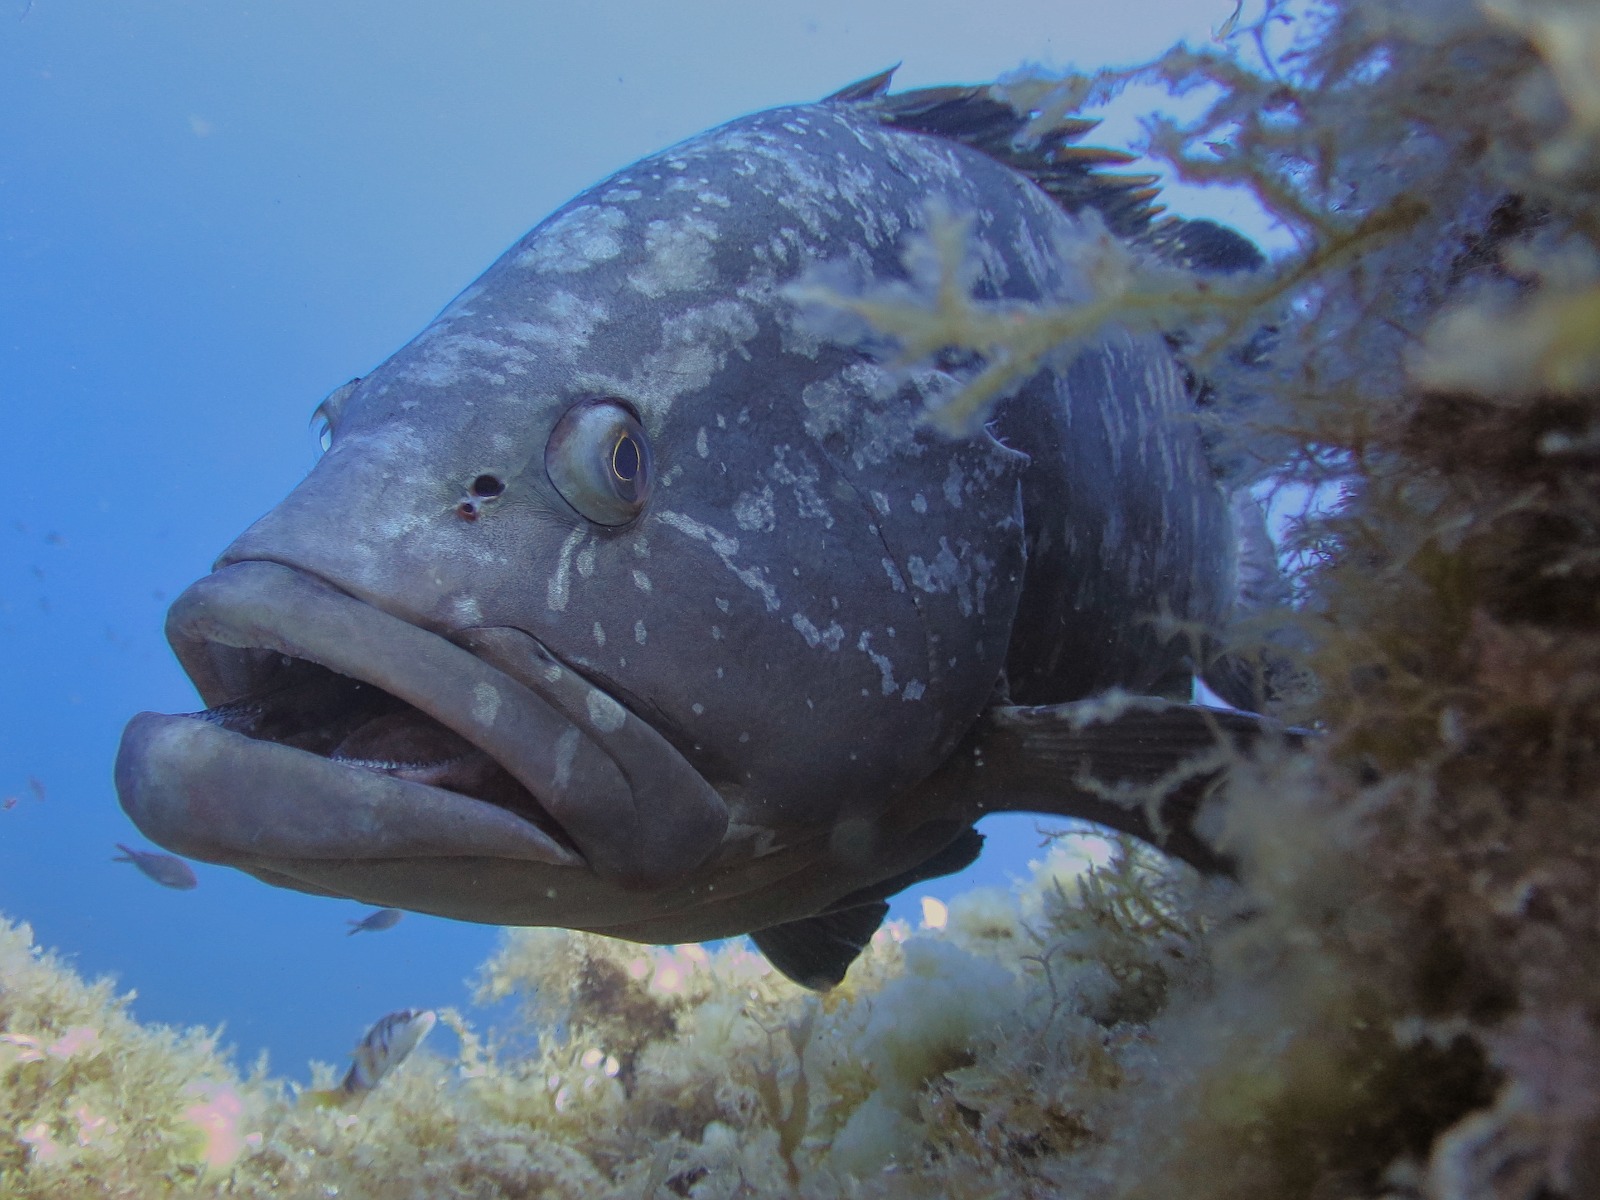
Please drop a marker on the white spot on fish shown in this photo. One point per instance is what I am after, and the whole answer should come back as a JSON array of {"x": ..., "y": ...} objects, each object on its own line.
[
  {"x": 722, "y": 604},
  {"x": 552, "y": 673},
  {"x": 576, "y": 240},
  {"x": 605, "y": 714},
  {"x": 754, "y": 512},
  {"x": 895, "y": 579},
  {"x": 566, "y": 751},
  {"x": 948, "y": 573},
  {"x": 570, "y": 324},
  {"x": 559, "y": 588},
  {"x": 641, "y": 581},
  {"x": 803, "y": 479},
  {"x": 697, "y": 709},
  {"x": 585, "y": 561},
  {"x": 724, "y": 547},
  {"x": 881, "y": 503},
  {"x": 701, "y": 446},
  {"x": 952, "y": 486},
  {"x": 599, "y": 635},
  {"x": 485, "y": 703},
  {"x": 912, "y": 690},
  {"x": 881, "y": 661},
  {"x": 678, "y": 257},
  {"x": 638, "y": 632},
  {"x": 694, "y": 345},
  {"x": 919, "y": 503},
  {"x": 829, "y": 637}
]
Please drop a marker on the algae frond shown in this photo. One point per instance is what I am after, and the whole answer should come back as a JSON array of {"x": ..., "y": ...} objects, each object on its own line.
[{"x": 1400, "y": 998}]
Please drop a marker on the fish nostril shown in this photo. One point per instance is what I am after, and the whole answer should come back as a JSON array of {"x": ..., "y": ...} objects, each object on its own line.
[
  {"x": 467, "y": 510},
  {"x": 487, "y": 487}
]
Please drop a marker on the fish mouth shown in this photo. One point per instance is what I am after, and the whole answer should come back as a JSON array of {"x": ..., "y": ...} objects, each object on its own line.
[{"x": 336, "y": 730}]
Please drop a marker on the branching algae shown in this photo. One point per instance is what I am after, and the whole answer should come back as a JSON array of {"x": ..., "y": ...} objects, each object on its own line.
[{"x": 1401, "y": 996}]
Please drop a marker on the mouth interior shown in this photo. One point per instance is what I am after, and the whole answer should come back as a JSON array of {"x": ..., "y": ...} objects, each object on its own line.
[{"x": 308, "y": 707}]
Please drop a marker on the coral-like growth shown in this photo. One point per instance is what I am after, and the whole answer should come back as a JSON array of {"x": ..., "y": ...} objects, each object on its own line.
[
  {"x": 1399, "y": 996},
  {"x": 954, "y": 1060},
  {"x": 93, "y": 1104}
]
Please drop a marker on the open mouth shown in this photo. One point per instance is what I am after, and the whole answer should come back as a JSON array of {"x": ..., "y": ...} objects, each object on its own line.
[
  {"x": 310, "y": 708},
  {"x": 336, "y": 730}
]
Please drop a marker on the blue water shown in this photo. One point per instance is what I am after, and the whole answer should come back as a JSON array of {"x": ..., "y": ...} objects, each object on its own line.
[{"x": 213, "y": 214}]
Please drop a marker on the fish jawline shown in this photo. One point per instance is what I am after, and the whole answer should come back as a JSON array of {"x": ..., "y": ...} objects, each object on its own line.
[
  {"x": 220, "y": 795},
  {"x": 211, "y": 794}
]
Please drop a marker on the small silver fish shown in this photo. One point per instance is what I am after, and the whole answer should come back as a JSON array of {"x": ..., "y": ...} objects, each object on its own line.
[
  {"x": 385, "y": 1047},
  {"x": 166, "y": 869},
  {"x": 376, "y": 922}
]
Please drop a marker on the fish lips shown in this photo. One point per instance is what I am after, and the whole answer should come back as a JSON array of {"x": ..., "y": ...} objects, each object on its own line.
[{"x": 610, "y": 793}]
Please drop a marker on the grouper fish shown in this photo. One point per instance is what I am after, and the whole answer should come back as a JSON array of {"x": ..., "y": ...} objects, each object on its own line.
[{"x": 627, "y": 598}]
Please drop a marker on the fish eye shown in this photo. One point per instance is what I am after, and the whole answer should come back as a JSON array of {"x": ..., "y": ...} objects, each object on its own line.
[
  {"x": 598, "y": 458},
  {"x": 625, "y": 459}
]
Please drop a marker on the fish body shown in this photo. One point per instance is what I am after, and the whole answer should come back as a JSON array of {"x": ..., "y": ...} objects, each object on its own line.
[
  {"x": 386, "y": 1045},
  {"x": 627, "y": 599},
  {"x": 382, "y": 1048},
  {"x": 165, "y": 869},
  {"x": 376, "y": 922}
]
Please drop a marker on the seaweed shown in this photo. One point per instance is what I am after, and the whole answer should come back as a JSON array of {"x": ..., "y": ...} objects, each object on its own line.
[{"x": 1399, "y": 995}]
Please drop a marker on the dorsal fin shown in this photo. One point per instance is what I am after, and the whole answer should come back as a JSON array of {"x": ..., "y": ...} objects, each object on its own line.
[
  {"x": 869, "y": 88},
  {"x": 1073, "y": 175}
]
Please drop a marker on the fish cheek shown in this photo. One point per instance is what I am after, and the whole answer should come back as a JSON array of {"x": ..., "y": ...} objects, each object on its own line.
[
  {"x": 780, "y": 674},
  {"x": 955, "y": 535}
]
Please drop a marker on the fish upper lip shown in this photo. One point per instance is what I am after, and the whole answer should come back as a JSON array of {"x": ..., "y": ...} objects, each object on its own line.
[
  {"x": 569, "y": 745},
  {"x": 230, "y": 624}
]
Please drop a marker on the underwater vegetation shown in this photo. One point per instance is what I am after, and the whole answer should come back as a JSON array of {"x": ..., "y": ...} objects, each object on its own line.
[{"x": 1399, "y": 997}]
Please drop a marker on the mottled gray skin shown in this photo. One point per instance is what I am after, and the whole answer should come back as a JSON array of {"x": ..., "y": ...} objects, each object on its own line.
[{"x": 822, "y": 595}]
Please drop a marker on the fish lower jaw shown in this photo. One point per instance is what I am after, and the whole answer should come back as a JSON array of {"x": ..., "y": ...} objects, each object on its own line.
[
  {"x": 213, "y": 794},
  {"x": 309, "y": 708},
  {"x": 337, "y": 730},
  {"x": 309, "y": 682}
]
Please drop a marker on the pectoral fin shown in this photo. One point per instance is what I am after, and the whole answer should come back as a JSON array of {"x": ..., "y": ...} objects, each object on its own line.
[
  {"x": 817, "y": 951},
  {"x": 1135, "y": 764}
]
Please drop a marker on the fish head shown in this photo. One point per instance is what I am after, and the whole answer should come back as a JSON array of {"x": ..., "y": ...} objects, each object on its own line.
[{"x": 619, "y": 591}]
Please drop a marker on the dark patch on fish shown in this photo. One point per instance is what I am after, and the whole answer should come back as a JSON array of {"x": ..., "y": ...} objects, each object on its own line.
[{"x": 624, "y": 600}]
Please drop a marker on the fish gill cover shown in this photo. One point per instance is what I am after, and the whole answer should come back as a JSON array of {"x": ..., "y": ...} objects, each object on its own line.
[{"x": 1402, "y": 998}]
